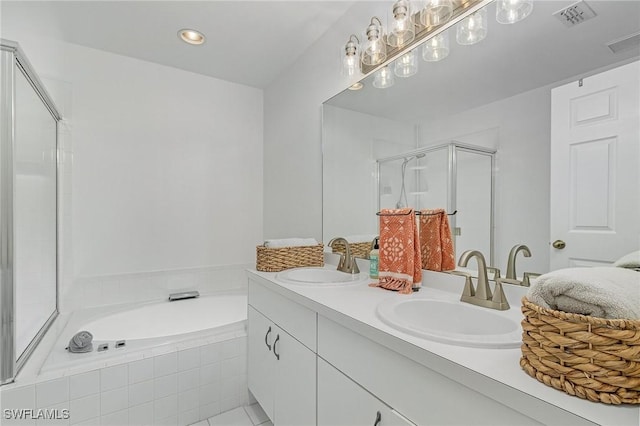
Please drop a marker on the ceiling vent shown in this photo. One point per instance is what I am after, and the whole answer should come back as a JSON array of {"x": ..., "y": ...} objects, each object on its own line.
[
  {"x": 625, "y": 43},
  {"x": 575, "y": 14}
]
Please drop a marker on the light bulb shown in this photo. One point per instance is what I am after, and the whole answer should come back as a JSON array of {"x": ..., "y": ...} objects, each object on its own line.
[
  {"x": 401, "y": 27},
  {"x": 375, "y": 50},
  {"x": 436, "y": 48},
  {"x": 406, "y": 65},
  {"x": 436, "y": 12},
  {"x": 383, "y": 78},
  {"x": 473, "y": 28},
  {"x": 512, "y": 11}
]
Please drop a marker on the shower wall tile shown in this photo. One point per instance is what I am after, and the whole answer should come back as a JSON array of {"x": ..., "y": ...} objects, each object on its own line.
[
  {"x": 114, "y": 377},
  {"x": 87, "y": 292},
  {"x": 149, "y": 391},
  {"x": 141, "y": 370},
  {"x": 165, "y": 364},
  {"x": 52, "y": 392},
  {"x": 84, "y": 408},
  {"x": 188, "y": 359},
  {"x": 19, "y": 397},
  {"x": 85, "y": 384}
]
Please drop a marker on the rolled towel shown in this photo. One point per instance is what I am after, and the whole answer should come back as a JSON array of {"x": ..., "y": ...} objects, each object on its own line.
[
  {"x": 603, "y": 292},
  {"x": 81, "y": 342},
  {"x": 290, "y": 242},
  {"x": 631, "y": 261}
]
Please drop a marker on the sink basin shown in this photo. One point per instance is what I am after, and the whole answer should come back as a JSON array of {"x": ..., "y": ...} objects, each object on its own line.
[
  {"x": 452, "y": 322},
  {"x": 321, "y": 277}
]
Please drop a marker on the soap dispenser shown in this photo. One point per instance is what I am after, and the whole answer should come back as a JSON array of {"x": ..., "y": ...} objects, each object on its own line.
[{"x": 373, "y": 260}]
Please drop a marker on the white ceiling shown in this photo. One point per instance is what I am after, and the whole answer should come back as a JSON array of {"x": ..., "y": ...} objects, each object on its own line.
[
  {"x": 248, "y": 42},
  {"x": 513, "y": 59}
]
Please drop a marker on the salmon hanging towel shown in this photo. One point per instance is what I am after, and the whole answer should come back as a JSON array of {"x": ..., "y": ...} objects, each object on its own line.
[
  {"x": 436, "y": 244},
  {"x": 399, "y": 262}
]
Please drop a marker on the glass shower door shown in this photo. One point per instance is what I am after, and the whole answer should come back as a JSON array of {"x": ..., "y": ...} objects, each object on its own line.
[{"x": 35, "y": 207}]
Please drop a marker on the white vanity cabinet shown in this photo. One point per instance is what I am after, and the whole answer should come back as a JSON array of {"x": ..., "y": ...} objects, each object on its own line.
[
  {"x": 281, "y": 369},
  {"x": 422, "y": 395},
  {"x": 342, "y": 402}
]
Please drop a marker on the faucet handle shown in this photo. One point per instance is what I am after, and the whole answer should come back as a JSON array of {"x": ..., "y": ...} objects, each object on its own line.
[
  {"x": 496, "y": 272},
  {"x": 499, "y": 300},
  {"x": 468, "y": 291},
  {"x": 526, "y": 278}
]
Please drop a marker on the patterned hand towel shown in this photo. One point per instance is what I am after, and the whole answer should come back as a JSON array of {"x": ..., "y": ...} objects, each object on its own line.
[
  {"x": 399, "y": 265},
  {"x": 436, "y": 244}
]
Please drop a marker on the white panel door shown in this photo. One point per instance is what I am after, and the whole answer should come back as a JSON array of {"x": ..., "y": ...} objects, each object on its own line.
[{"x": 595, "y": 156}]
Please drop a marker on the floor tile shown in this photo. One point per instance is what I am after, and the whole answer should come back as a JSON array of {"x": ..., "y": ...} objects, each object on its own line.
[
  {"x": 256, "y": 414},
  {"x": 235, "y": 417}
]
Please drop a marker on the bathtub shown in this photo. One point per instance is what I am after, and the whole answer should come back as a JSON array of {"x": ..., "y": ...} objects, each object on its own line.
[{"x": 148, "y": 330}]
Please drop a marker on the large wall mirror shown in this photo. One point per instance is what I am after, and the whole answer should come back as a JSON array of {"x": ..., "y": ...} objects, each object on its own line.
[{"x": 493, "y": 97}]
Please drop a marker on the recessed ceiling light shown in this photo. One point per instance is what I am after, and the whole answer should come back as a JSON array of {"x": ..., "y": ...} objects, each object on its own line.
[
  {"x": 191, "y": 36},
  {"x": 356, "y": 86}
]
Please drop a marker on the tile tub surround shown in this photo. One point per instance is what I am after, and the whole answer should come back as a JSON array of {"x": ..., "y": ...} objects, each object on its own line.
[
  {"x": 138, "y": 287},
  {"x": 180, "y": 387}
]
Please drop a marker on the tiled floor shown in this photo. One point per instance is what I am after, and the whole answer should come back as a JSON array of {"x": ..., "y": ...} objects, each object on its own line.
[{"x": 250, "y": 415}]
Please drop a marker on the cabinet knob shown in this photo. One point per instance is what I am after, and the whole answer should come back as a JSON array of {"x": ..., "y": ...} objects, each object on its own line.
[
  {"x": 378, "y": 419},
  {"x": 275, "y": 352},
  {"x": 559, "y": 244},
  {"x": 266, "y": 338}
]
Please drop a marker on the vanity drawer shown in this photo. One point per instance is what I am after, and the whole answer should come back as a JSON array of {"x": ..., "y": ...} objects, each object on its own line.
[
  {"x": 422, "y": 395},
  {"x": 295, "y": 319}
]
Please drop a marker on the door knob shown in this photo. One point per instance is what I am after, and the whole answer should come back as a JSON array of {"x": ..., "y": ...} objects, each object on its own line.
[{"x": 559, "y": 244}]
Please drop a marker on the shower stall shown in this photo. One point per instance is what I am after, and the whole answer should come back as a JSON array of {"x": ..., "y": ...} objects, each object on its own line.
[
  {"x": 28, "y": 210},
  {"x": 454, "y": 176}
]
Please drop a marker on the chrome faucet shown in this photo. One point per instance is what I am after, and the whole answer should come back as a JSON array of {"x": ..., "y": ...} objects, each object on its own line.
[
  {"x": 511, "y": 263},
  {"x": 347, "y": 262},
  {"x": 481, "y": 295}
]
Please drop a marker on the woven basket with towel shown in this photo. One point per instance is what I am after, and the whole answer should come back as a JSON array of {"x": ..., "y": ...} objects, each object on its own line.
[
  {"x": 278, "y": 255},
  {"x": 581, "y": 333}
]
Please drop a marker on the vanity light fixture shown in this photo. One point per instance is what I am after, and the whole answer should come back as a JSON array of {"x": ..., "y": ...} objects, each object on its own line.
[
  {"x": 436, "y": 48},
  {"x": 375, "y": 49},
  {"x": 473, "y": 28},
  {"x": 402, "y": 29},
  {"x": 406, "y": 65},
  {"x": 383, "y": 78},
  {"x": 350, "y": 60},
  {"x": 512, "y": 11},
  {"x": 429, "y": 24},
  {"x": 191, "y": 36}
]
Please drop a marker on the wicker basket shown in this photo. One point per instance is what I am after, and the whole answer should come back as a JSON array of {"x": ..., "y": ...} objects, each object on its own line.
[
  {"x": 278, "y": 259},
  {"x": 592, "y": 358},
  {"x": 360, "y": 250}
]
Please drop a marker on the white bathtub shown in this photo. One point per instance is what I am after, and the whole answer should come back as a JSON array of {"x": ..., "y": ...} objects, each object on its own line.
[{"x": 148, "y": 330}]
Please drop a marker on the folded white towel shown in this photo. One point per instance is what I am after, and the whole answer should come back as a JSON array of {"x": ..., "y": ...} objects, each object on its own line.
[
  {"x": 604, "y": 292},
  {"x": 290, "y": 242}
]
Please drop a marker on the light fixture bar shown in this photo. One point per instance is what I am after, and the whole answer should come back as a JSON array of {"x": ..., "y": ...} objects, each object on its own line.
[{"x": 461, "y": 10}]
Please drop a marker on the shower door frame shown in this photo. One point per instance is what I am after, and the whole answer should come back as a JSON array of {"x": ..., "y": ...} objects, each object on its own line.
[
  {"x": 10, "y": 362},
  {"x": 452, "y": 168}
]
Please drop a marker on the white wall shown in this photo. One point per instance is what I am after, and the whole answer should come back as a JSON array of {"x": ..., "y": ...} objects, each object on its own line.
[
  {"x": 352, "y": 142},
  {"x": 520, "y": 129},
  {"x": 293, "y": 129},
  {"x": 167, "y": 164}
]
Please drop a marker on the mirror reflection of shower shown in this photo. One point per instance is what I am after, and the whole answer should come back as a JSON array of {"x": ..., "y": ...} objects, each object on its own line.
[{"x": 403, "y": 192}]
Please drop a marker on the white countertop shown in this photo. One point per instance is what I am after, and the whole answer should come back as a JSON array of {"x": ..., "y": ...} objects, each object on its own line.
[{"x": 493, "y": 372}]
